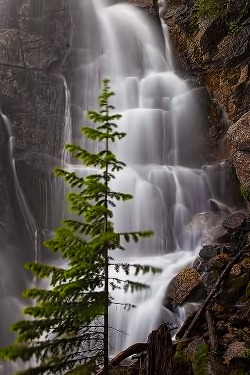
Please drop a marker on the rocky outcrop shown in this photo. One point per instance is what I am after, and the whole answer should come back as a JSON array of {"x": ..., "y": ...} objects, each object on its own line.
[
  {"x": 33, "y": 101},
  {"x": 150, "y": 5},
  {"x": 222, "y": 318},
  {"x": 217, "y": 57},
  {"x": 33, "y": 93},
  {"x": 239, "y": 137},
  {"x": 214, "y": 339}
]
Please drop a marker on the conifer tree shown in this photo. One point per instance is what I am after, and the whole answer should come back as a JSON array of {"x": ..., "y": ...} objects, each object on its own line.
[{"x": 68, "y": 329}]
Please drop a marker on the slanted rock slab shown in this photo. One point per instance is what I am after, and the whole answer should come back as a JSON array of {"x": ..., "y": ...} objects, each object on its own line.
[{"x": 186, "y": 286}]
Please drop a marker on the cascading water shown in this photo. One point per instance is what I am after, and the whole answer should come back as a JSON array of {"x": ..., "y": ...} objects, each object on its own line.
[{"x": 163, "y": 171}]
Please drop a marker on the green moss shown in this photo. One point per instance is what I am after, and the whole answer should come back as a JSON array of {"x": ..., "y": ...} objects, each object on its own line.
[
  {"x": 232, "y": 11},
  {"x": 210, "y": 8},
  {"x": 199, "y": 359},
  {"x": 245, "y": 193}
]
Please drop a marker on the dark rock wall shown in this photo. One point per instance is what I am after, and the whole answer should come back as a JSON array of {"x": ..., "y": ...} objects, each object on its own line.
[
  {"x": 212, "y": 54},
  {"x": 34, "y": 43}
]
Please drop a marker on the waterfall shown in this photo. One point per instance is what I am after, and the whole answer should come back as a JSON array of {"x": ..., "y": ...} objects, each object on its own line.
[{"x": 161, "y": 151}]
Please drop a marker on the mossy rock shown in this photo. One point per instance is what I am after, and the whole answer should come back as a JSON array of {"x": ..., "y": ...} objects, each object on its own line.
[
  {"x": 233, "y": 289},
  {"x": 246, "y": 295}
]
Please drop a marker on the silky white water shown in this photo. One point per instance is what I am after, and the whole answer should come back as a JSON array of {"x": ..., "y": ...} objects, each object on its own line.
[
  {"x": 161, "y": 150},
  {"x": 163, "y": 171}
]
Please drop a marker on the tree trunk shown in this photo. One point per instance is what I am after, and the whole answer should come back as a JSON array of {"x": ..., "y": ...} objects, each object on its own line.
[{"x": 159, "y": 353}]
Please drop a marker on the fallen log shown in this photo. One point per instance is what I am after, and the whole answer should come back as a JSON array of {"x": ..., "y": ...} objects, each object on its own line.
[
  {"x": 131, "y": 350},
  {"x": 201, "y": 310}
]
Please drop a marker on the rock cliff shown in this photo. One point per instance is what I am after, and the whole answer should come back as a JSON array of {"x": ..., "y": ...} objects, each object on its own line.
[{"x": 214, "y": 52}]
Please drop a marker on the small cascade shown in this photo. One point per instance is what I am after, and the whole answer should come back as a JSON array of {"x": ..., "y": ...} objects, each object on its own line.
[
  {"x": 13, "y": 278},
  {"x": 17, "y": 193}
]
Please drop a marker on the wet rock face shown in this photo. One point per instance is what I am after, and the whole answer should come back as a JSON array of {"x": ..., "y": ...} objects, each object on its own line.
[
  {"x": 149, "y": 5},
  {"x": 34, "y": 40},
  {"x": 217, "y": 57},
  {"x": 214, "y": 53},
  {"x": 32, "y": 95}
]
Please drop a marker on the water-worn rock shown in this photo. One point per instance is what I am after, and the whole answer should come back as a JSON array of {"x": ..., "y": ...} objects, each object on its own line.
[
  {"x": 245, "y": 263},
  {"x": 209, "y": 251},
  {"x": 218, "y": 207}
]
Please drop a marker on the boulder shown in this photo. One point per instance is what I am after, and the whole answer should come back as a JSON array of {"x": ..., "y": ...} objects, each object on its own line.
[
  {"x": 234, "y": 221},
  {"x": 242, "y": 318},
  {"x": 209, "y": 251},
  {"x": 219, "y": 261},
  {"x": 185, "y": 286},
  {"x": 217, "y": 207},
  {"x": 236, "y": 350}
]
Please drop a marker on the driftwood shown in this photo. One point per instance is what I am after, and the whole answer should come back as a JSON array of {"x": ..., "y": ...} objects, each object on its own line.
[
  {"x": 211, "y": 331},
  {"x": 212, "y": 292},
  {"x": 133, "y": 349}
]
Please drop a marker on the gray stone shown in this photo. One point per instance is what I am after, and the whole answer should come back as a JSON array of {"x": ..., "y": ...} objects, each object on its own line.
[
  {"x": 209, "y": 251},
  {"x": 234, "y": 221},
  {"x": 239, "y": 133},
  {"x": 236, "y": 349},
  {"x": 10, "y": 48}
]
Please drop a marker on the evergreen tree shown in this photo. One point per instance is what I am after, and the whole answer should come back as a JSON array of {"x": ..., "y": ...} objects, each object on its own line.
[{"x": 68, "y": 329}]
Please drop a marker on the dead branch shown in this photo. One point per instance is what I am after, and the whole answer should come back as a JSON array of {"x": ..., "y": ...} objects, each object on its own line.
[
  {"x": 211, "y": 331},
  {"x": 216, "y": 286},
  {"x": 133, "y": 349}
]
